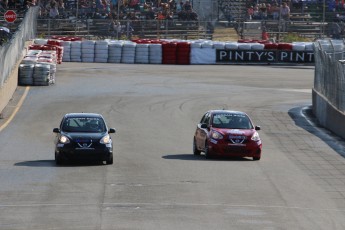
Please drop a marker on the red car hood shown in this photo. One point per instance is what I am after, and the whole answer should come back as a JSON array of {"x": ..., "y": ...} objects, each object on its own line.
[{"x": 235, "y": 132}]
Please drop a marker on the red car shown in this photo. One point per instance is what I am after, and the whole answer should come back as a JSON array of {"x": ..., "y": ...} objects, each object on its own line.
[{"x": 227, "y": 133}]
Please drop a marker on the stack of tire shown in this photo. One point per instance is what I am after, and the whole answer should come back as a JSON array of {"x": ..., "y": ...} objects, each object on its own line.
[
  {"x": 49, "y": 58},
  {"x": 101, "y": 51},
  {"x": 128, "y": 53},
  {"x": 142, "y": 53},
  {"x": 115, "y": 52},
  {"x": 87, "y": 51},
  {"x": 66, "y": 51},
  {"x": 27, "y": 66},
  {"x": 155, "y": 53},
  {"x": 25, "y": 74},
  {"x": 183, "y": 53},
  {"x": 41, "y": 75},
  {"x": 76, "y": 51},
  {"x": 284, "y": 46},
  {"x": 169, "y": 52},
  {"x": 56, "y": 45}
]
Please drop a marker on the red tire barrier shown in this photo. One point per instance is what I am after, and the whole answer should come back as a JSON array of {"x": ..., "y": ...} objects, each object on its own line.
[
  {"x": 183, "y": 53},
  {"x": 271, "y": 46},
  {"x": 169, "y": 54},
  {"x": 284, "y": 46}
]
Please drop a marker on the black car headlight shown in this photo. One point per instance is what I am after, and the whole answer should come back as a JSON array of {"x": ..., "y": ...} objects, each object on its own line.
[
  {"x": 64, "y": 140},
  {"x": 105, "y": 140}
]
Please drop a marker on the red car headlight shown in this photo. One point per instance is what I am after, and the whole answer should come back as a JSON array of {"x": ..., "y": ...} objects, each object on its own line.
[
  {"x": 216, "y": 135},
  {"x": 256, "y": 137}
]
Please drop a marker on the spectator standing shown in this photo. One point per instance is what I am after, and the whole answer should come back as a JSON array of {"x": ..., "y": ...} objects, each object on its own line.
[
  {"x": 187, "y": 6},
  {"x": 285, "y": 11},
  {"x": 250, "y": 12},
  {"x": 275, "y": 10},
  {"x": 263, "y": 11},
  {"x": 61, "y": 7},
  {"x": 256, "y": 13},
  {"x": 53, "y": 11},
  {"x": 150, "y": 15},
  {"x": 336, "y": 30}
]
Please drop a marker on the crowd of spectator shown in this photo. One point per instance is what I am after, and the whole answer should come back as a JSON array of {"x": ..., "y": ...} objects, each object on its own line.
[
  {"x": 18, "y": 5},
  {"x": 267, "y": 11},
  {"x": 120, "y": 10}
]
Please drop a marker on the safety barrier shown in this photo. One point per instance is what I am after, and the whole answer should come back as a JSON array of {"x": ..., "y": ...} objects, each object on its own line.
[
  {"x": 181, "y": 52},
  {"x": 328, "y": 91}
]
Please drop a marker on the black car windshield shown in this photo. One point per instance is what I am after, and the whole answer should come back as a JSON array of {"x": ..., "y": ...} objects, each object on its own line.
[
  {"x": 84, "y": 124},
  {"x": 231, "y": 121}
]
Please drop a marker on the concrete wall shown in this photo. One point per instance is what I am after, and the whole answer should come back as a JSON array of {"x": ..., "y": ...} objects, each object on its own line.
[
  {"x": 8, "y": 89},
  {"x": 10, "y": 85},
  {"x": 328, "y": 115}
]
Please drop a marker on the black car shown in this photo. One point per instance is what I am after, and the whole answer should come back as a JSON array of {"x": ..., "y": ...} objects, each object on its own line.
[{"x": 83, "y": 136}]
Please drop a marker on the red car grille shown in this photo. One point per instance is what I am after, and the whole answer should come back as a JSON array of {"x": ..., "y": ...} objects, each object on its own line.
[{"x": 236, "y": 149}]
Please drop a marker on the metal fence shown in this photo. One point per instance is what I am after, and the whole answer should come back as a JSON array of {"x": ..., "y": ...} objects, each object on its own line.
[
  {"x": 123, "y": 29},
  {"x": 329, "y": 78},
  {"x": 12, "y": 50}
]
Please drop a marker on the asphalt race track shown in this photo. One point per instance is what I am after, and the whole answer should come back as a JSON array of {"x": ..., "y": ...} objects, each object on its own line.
[{"x": 156, "y": 182}]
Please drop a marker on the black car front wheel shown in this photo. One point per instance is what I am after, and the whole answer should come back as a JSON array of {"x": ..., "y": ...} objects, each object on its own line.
[
  {"x": 110, "y": 161},
  {"x": 58, "y": 160}
]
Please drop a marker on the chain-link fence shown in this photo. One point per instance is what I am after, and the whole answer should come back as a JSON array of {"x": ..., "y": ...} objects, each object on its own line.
[
  {"x": 11, "y": 51},
  {"x": 329, "y": 79}
]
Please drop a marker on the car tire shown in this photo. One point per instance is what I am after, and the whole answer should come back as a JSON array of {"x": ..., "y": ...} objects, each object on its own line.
[
  {"x": 207, "y": 154},
  {"x": 256, "y": 158},
  {"x": 58, "y": 160},
  {"x": 110, "y": 161},
  {"x": 195, "y": 149}
]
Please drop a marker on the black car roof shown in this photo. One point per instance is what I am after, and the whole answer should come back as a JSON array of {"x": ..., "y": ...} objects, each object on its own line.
[
  {"x": 83, "y": 115},
  {"x": 227, "y": 111}
]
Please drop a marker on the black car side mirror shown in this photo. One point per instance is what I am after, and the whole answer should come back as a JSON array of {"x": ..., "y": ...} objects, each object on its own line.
[
  {"x": 111, "y": 130},
  {"x": 56, "y": 130},
  {"x": 257, "y": 128}
]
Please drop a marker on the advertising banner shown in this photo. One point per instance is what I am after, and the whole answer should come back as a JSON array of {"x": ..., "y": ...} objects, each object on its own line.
[{"x": 264, "y": 56}]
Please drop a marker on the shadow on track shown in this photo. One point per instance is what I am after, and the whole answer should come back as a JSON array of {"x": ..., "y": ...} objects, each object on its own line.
[
  {"x": 51, "y": 163},
  {"x": 191, "y": 157},
  {"x": 304, "y": 118}
]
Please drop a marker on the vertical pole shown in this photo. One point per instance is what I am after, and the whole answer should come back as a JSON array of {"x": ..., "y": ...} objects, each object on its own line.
[
  {"x": 279, "y": 21},
  {"x": 323, "y": 18}
]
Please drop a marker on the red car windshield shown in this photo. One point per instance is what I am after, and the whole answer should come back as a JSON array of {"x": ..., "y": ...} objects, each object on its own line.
[{"x": 231, "y": 121}]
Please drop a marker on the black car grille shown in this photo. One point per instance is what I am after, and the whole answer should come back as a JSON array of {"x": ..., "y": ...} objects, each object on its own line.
[{"x": 84, "y": 143}]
